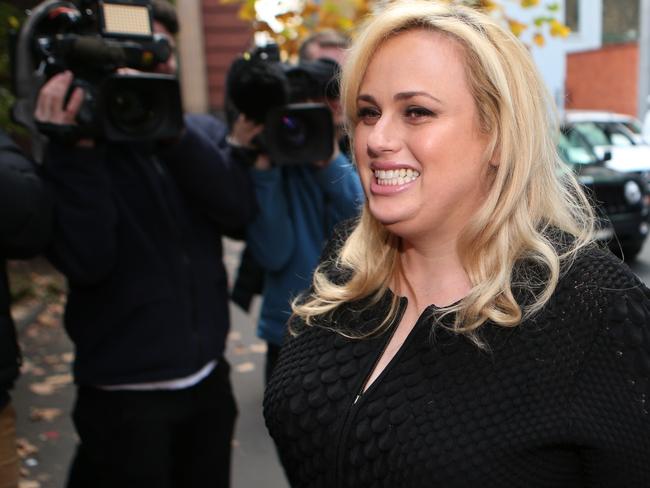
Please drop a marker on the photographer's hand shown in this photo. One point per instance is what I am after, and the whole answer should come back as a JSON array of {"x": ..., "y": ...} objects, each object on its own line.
[
  {"x": 262, "y": 162},
  {"x": 335, "y": 154},
  {"x": 244, "y": 131},
  {"x": 50, "y": 107}
]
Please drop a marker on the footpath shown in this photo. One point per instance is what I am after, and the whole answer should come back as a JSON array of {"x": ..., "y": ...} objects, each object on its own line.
[{"x": 44, "y": 394}]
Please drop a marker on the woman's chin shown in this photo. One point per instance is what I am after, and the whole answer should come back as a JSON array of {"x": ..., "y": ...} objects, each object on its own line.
[{"x": 394, "y": 224}]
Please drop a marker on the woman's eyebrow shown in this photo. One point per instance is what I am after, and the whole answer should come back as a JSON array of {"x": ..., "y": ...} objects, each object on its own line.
[
  {"x": 399, "y": 96},
  {"x": 367, "y": 98},
  {"x": 411, "y": 94}
]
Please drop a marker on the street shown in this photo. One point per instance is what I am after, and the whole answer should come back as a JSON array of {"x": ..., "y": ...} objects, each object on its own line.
[{"x": 44, "y": 395}]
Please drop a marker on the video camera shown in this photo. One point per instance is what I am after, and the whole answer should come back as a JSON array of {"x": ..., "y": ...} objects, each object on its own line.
[
  {"x": 279, "y": 95},
  {"x": 92, "y": 39}
]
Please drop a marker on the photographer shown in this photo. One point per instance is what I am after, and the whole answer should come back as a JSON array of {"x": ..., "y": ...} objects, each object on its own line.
[
  {"x": 25, "y": 226},
  {"x": 138, "y": 236},
  {"x": 327, "y": 43},
  {"x": 298, "y": 206}
]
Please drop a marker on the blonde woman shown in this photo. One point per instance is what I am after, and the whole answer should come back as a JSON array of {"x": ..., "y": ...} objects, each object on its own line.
[{"x": 465, "y": 331}]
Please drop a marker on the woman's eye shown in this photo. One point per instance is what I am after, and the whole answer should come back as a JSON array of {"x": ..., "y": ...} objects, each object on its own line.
[
  {"x": 367, "y": 114},
  {"x": 418, "y": 112}
]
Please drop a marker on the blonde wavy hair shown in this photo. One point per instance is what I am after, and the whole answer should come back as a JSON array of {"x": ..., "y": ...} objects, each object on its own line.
[{"x": 535, "y": 210}]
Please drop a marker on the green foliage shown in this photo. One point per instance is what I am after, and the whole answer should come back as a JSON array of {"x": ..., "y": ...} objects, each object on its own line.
[{"x": 10, "y": 19}]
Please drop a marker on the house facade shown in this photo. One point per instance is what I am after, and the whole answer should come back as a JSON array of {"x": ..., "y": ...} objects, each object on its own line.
[
  {"x": 211, "y": 37},
  {"x": 603, "y": 72},
  {"x": 597, "y": 65}
]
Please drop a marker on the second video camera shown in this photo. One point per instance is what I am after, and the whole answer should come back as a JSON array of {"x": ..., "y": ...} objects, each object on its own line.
[{"x": 298, "y": 128}]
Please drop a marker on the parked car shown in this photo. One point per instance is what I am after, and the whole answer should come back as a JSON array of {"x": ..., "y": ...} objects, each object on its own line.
[
  {"x": 619, "y": 134},
  {"x": 632, "y": 124},
  {"x": 620, "y": 199}
]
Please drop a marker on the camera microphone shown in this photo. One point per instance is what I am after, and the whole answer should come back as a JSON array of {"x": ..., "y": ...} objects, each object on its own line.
[{"x": 94, "y": 51}]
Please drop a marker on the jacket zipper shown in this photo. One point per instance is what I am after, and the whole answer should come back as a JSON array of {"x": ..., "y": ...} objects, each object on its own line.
[{"x": 349, "y": 417}]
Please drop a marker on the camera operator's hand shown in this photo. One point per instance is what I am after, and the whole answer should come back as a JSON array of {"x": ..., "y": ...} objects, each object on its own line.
[
  {"x": 50, "y": 107},
  {"x": 335, "y": 154},
  {"x": 263, "y": 162},
  {"x": 244, "y": 131}
]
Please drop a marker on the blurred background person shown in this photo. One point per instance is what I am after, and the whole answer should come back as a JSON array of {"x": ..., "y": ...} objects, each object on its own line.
[
  {"x": 299, "y": 203},
  {"x": 329, "y": 44},
  {"x": 25, "y": 229},
  {"x": 326, "y": 43}
]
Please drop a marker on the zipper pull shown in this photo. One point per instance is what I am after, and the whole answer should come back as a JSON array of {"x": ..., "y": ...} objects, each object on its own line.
[{"x": 356, "y": 399}]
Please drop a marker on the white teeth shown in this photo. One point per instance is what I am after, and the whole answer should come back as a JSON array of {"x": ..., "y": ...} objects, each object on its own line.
[{"x": 396, "y": 177}]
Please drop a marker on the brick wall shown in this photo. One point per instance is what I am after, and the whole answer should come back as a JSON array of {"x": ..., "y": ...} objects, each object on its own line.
[
  {"x": 604, "y": 79},
  {"x": 226, "y": 36}
]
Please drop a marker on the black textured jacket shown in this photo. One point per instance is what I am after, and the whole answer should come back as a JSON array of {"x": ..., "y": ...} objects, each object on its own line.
[
  {"x": 138, "y": 237},
  {"x": 25, "y": 225},
  {"x": 562, "y": 400}
]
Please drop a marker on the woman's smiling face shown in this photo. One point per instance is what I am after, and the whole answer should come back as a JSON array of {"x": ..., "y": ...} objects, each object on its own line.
[{"x": 417, "y": 140}]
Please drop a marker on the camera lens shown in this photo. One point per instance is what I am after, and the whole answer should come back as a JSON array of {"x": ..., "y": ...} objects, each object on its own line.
[
  {"x": 299, "y": 133},
  {"x": 293, "y": 131},
  {"x": 140, "y": 107},
  {"x": 133, "y": 107}
]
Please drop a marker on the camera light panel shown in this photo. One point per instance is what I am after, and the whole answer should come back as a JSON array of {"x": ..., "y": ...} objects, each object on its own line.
[{"x": 125, "y": 19}]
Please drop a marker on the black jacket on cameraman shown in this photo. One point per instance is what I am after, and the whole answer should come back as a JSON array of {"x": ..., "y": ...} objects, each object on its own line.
[
  {"x": 25, "y": 225},
  {"x": 138, "y": 236}
]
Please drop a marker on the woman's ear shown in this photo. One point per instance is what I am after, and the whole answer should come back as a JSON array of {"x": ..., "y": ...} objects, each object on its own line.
[
  {"x": 492, "y": 152},
  {"x": 495, "y": 157}
]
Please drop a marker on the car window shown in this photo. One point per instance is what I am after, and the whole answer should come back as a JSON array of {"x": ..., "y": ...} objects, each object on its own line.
[
  {"x": 633, "y": 126},
  {"x": 618, "y": 134},
  {"x": 574, "y": 149},
  {"x": 594, "y": 134}
]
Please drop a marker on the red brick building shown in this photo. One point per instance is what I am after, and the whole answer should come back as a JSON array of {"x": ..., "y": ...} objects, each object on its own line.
[
  {"x": 212, "y": 36},
  {"x": 604, "y": 79},
  {"x": 226, "y": 36}
]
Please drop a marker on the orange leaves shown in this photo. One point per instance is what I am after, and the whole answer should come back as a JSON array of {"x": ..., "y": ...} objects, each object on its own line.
[
  {"x": 308, "y": 16},
  {"x": 558, "y": 29},
  {"x": 289, "y": 27},
  {"x": 516, "y": 27},
  {"x": 247, "y": 11}
]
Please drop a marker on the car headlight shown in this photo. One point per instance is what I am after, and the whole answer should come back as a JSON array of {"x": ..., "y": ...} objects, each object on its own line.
[{"x": 632, "y": 192}]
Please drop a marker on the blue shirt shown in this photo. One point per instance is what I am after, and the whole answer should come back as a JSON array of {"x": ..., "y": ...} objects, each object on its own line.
[{"x": 298, "y": 208}]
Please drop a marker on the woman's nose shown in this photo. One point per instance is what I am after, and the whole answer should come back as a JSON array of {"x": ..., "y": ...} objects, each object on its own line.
[{"x": 383, "y": 137}]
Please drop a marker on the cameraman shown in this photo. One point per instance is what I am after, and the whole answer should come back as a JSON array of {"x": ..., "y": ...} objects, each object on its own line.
[
  {"x": 25, "y": 227},
  {"x": 138, "y": 237},
  {"x": 298, "y": 207},
  {"x": 327, "y": 43}
]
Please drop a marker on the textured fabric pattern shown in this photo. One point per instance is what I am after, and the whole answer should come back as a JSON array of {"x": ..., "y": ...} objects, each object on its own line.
[{"x": 559, "y": 401}]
